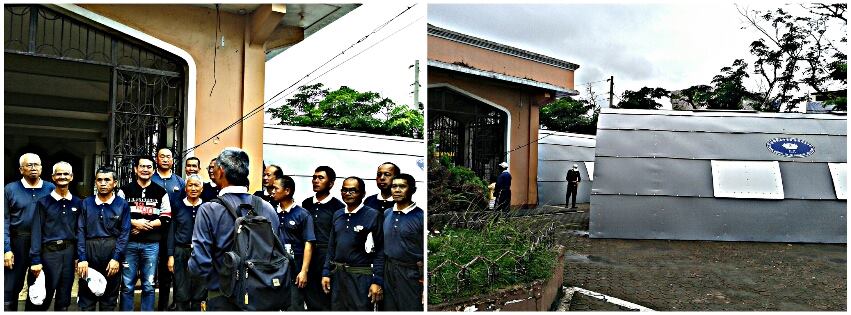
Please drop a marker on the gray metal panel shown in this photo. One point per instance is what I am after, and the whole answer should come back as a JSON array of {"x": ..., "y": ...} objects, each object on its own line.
[
  {"x": 649, "y": 176},
  {"x": 718, "y": 219},
  {"x": 771, "y": 123},
  {"x": 553, "y": 152},
  {"x": 554, "y": 193},
  {"x": 806, "y": 181},
  {"x": 713, "y": 146}
]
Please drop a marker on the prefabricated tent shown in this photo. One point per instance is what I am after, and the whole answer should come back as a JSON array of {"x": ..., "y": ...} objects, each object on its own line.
[
  {"x": 557, "y": 152},
  {"x": 713, "y": 175}
]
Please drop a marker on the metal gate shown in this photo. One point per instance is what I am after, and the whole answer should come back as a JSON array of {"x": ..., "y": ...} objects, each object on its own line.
[
  {"x": 471, "y": 132},
  {"x": 147, "y": 90}
]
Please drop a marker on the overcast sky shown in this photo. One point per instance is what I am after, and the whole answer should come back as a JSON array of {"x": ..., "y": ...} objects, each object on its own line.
[
  {"x": 656, "y": 45},
  {"x": 379, "y": 64}
]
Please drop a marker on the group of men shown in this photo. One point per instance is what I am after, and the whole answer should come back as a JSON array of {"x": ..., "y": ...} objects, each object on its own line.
[{"x": 355, "y": 254}]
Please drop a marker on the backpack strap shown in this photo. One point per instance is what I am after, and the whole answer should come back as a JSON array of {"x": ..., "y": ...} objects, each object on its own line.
[
  {"x": 232, "y": 211},
  {"x": 256, "y": 204}
]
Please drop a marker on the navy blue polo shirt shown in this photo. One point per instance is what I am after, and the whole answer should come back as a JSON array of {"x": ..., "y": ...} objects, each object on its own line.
[
  {"x": 55, "y": 219},
  {"x": 322, "y": 213},
  {"x": 182, "y": 222},
  {"x": 378, "y": 204},
  {"x": 296, "y": 228},
  {"x": 348, "y": 240},
  {"x": 171, "y": 184},
  {"x": 403, "y": 234},
  {"x": 104, "y": 219},
  {"x": 19, "y": 209}
]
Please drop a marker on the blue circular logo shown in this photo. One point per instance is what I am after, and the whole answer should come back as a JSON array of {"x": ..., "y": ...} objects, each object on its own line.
[{"x": 790, "y": 147}]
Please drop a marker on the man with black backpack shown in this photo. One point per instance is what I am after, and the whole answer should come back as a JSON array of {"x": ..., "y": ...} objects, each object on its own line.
[{"x": 236, "y": 278}]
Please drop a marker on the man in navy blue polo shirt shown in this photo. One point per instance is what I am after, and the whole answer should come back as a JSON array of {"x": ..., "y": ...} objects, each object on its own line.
[
  {"x": 54, "y": 240},
  {"x": 173, "y": 184},
  {"x": 213, "y": 233},
  {"x": 354, "y": 268},
  {"x": 103, "y": 229},
  {"x": 18, "y": 212},
  {"x": 403, "y": 246},
  {"x": 383, "y": 200},
  {"x": 183, "y": 212},
  {"x": 271, "y": 173},
  {"x": 296, "y": 234},
  {"x": 322, "y": 207}
]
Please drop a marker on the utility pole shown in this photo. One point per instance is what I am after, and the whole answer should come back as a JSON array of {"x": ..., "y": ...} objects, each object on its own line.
[
  {"x": 416, "y": 84},
  {"x": 611, "y": 90}
]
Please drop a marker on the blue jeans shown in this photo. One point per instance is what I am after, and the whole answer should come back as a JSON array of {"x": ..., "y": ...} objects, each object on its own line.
[{"x": 140, "y": 257}]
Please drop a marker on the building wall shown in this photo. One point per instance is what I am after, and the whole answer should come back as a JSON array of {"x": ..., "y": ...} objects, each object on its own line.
[
  {"x": 523, "y": 105},
  {"x": 453, "y": 52},
  {"x": 239, "y": 71}
]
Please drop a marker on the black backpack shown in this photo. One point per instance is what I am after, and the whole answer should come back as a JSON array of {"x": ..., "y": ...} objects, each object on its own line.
[{"x": 257, "y": 273}]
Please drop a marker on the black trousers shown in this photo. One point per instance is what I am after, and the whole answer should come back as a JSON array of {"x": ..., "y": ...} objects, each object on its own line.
[
  {"x": 221, "y": 303},
  {"x": 503, "y": 201},
  {"x": 58, "y": 269},
  {"x": 349, "y": 291},
  {"x": 314, "y": 296},
  {"x": 187, "y": 296},
  {"x": 98, "y": 255},
  {"x": 164, "y": 277},
  {"x": 297, "y": 303},
  {"x": 13, "y": 279},
  {"x": 404, "y": 289},
  {"x": 571, "y": 192}
]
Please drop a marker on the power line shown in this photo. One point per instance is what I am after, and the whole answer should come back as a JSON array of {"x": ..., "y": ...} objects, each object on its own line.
[
  {"x": 262, "y": 106},
  {"x": 592, "y": 82}
]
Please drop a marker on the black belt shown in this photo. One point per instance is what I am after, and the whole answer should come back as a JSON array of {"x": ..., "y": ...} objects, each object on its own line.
[
  {"x": 57, "y": 245},
  {"x": 184, "y": 245},
  {"x": 416, "y": 264},
  {"x": 319, "y": 245},
  {"x": 357, "y": 270},
  {"x": 14, "y": 232}
]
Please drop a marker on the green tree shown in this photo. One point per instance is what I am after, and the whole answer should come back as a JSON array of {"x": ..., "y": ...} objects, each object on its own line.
[
  {"x": 795, "y": 51},
  {"x": 348, "y": 109},
  {"x": 644, "y": 98},
  {"x": 569, "y": 115},
  {"x": 696, "y": 95},
  {"x": 728, "y": 90}
]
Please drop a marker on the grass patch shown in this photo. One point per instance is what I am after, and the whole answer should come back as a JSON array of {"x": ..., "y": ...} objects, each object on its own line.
[{"x": 463, "y": 245}]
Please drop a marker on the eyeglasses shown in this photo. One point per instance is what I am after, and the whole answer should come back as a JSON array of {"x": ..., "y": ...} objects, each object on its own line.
[
  {"x": 32, "y": 165},
  {"x": 345, "y": 191}
]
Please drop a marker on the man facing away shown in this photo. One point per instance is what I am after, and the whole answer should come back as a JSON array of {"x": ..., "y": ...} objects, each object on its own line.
[
  {"x": 103, "y": 229},
  {"x": 183, "y": 213},
  {"x": 322, "y": 207},
  {"x": 354, "y": 269},
  {"x": 54, "y": 239},
  {"x": 403, "y": 246},
  {"x": 18, "y": 212},
  {"x": 383, "y": 200},
  {"x": 150, "y": 209},
  {"x": 213, "y": 235},
  {"x": 573, "y": 180},
  {"x": 296, "y": 233}
]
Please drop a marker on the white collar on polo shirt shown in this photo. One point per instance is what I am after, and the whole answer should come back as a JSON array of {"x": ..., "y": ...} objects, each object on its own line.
[
  {"x": 355, "y": 211},
  {"x": 407, "y": 209},
  {"x": 56, "y": 196},
  {"x": 233, "y": 190},
  {"x": 319, "y": 202},
  {"x": 186, "y": 202},
  {"x": 37, "y": 184},
  {"x": 111, "y": 199}
]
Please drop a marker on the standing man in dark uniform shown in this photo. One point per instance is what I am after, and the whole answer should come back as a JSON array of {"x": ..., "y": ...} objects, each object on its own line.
[
  {"x": 183, "y": 211},
  {"x": 18, "y": 212},
  {"x": 355, "y": 253},
  {"x": 503, "y": 190},
  {"x": 573, "y": 180},
  {"x": 103, "y": 228},
  {"x": 54, "y": 240},
  {"x": 271, "y": 173},
  {"x": 403, "y": 246},
  {"x": 213, "y": 233},
  {"x": 173, "y": 184},
  {"x": 383, "y": 200},
  {"x": 296, "y": 234},
  {"x": 210, "y": 189},
  {"x": 322, "y": 207},
  {"x": 150, "y": 209}
]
